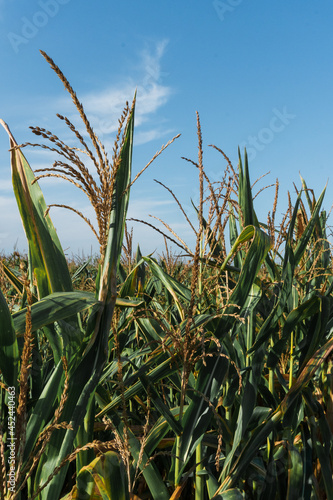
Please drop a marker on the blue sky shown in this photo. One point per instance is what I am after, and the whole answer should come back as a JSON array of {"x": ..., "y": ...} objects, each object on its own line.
[{"x": 259, "y": 73}]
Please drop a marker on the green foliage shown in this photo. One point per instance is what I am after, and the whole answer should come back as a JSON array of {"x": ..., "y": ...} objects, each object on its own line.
[{"x": 137, "y": 377}]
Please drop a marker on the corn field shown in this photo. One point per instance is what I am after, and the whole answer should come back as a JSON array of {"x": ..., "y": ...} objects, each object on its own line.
[{"x": 207, "y": 376}]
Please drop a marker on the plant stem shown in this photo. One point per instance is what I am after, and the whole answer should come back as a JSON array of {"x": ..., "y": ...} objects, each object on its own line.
[
  {"x": 291, "y": 361},
  {"x": 199, "y": 483},
  {"x": 177, "y": 463},
  {"x": 271, "y": 374},
  {"x": 249, "y": 337}
]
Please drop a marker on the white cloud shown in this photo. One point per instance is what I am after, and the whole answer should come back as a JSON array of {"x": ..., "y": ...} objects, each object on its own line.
[
  {"x": 150, "y": 99},
  {"x": 104, "y": 107},
  {"x": 142, "y": 137},
  {"x": 141, "y": 207}
]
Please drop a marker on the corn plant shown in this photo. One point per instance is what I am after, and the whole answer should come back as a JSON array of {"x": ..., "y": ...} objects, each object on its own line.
[
  {"x": 59, "y": 416},
  {"x": 238, "y": 405},
  {"x": 209, "y": 378}
]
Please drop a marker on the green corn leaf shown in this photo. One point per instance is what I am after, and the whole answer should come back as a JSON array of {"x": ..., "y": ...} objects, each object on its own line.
[
  {"x": 125, "y": 303},
  {"x": 325, "y": 255},
  {"x": 160, "y": 405},
  {"x": 9, "y": 351},
  {"x": 129, "y": 286},
  {"x": 251, "y": 449},
  {"x": 295, "y": 473},
  {"x": 247, "y": 405},
  {"x": 301, "y": 245},
  {"x": 85, "y": 434},
  {"x": 271, "y": 478},
  {"x": 316, "y": 308},
  {"x": 158, "y": 432},
  {"x": 252, "y": 301},
  {"x": 107, "y": 275},
  {"x": 245, "y": 198},
  {"x": 38, "y": 368},
  {"x": 307, "y": 373},
  {"x": 111, "y": 368},
  {"x": 211, "y": 483},
  {"x": 288, "y": 267},
  {"x": 42, "y": 410},
  {"x": 233, "y": 235},
  {"x": 318, "y": 442},
  {"x": 210, "y": 378},
  {"x": 262, "y": 432},
  {"x": 173, "y": 286},
  {"x": 307, "y": 195},
  {"x": 325, "y": 467},
  {"x": 323, "y": 449},
  {"x": 134, "y": 281},
  {"x": 151, "y": 329},
  {"x": 165, "y": 368},
  {"x": 48, "y": 260},
  {"x": 103, "y": 479},
  {"x": 85, "y": 378},
  {"x": 120, "y": 200},
  {"x": 307, "y": 460},
  {"x": 232, "y": 494},
  {"x": 150, "y": 471},
  {"x": 54, "y": 307},
  {"x": 255, "y": 256},
  {"x": 141, "y": 461},
  {"x": 198, "y": 415},
  {"x": 14, "y": 280},
  {"x": 245, "y": 236},
  {"x": 261, "y": 242},
  {"x": 78, "y": 272},
  {"x": 82, "y": 384}
]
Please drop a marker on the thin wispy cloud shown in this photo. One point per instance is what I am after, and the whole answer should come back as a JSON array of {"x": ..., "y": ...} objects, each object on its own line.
[
  {"x": 104, "y": 107},
  {"x": 152, "y": 59},
  {"x": 150, "y": 135},
  {"x": 140, "y": 206}
]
